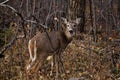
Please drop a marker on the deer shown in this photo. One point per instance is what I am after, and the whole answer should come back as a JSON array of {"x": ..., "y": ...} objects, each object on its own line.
[{"x": 46, "y": 44}]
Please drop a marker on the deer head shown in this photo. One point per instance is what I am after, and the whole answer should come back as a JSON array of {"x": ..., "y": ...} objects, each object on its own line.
[{"x": 68, "y": 26}]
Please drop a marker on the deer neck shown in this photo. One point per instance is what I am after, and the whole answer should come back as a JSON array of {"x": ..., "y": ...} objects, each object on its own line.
[{"x": 66, "y": 39}]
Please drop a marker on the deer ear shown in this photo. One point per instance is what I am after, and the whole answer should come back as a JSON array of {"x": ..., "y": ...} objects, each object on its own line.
[
  {"x": 77, "y": 21},
  {"x": 64, "y": 20}
]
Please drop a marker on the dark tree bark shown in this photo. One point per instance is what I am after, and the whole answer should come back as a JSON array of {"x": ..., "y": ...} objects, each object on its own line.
[
  {"x": 90, "y": 2},
  {"x": 118, "y": 9},
  {"x": 82, "y": 14},
  {"x": 94, "y": 19}
]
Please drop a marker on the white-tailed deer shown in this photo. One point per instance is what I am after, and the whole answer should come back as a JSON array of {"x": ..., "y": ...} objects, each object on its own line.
[{"x": 45, "y": 44}]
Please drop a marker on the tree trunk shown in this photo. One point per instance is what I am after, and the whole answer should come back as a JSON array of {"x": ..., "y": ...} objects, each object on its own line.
[
  {"x": 94, "y": 20},
  {"x": 118, "y": 11}
]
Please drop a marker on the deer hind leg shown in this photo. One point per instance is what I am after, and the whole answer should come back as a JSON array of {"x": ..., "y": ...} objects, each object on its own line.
[
  {"x": 62, "y": 69},
  {"x": 51, "y": 60},
  {"x": 32, "y": 58}
]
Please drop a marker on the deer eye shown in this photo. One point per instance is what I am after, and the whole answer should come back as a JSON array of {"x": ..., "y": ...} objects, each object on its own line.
[{"x": 74, "y": 25}]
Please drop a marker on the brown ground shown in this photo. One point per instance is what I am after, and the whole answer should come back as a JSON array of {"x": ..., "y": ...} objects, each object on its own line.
[{"x": 83, "y": 59}]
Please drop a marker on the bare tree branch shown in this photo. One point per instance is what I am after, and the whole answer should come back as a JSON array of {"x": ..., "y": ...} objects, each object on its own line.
[
  {"x": 16, "y": 37},
  {"x": 4, "y": 2},
  {"x": 4, "y": 5},
  {"x": 94, "y": 20},
  {"x": 17, "y": 13},
  {"x": 50, "y": 15},
  {"x": 10, "y": 43},
  {"x": 44, "y": 26}
]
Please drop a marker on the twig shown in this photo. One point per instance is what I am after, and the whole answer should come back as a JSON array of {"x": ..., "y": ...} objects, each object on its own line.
[
  {"x": 4, "y": 5},
  {"x": 4, "y": 2},
  {"x": 16, "y": 37},
  {"x": 49, "y": 16},
  {"x": 36, "y": 23},
  {"x": 9, "y": 44},
  {"x": 94, "y": 20}
]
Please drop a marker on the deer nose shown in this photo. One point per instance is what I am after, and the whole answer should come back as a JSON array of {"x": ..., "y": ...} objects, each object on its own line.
[{"x": 71, "y": 31}]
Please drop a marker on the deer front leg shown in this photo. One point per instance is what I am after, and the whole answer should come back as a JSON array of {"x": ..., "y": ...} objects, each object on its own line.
[
  {"x": 52, "y": 64},
  {"x": 56, "y": 66}
]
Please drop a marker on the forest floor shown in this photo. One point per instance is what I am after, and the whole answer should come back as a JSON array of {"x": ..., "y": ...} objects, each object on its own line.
[{"x": 83, "y": 59}]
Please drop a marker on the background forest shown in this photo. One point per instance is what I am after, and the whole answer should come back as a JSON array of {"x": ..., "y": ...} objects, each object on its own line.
[{"x": 92, "y": 55}]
